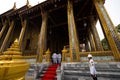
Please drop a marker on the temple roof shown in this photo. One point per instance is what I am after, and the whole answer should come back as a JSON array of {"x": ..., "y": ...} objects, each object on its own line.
[
  {"x": 57, "y": 10},
  {"x": 49, "y": 5}
]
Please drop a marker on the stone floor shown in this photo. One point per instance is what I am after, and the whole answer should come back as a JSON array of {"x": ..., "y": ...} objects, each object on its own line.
[
  {"x": 29, "y": 78},
  {"x": 30, "y": 75}
]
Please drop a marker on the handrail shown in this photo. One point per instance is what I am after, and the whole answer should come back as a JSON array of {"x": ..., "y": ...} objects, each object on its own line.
[
  {"x": 97, "y": 53},
  {"x": 94, "y": 53}
]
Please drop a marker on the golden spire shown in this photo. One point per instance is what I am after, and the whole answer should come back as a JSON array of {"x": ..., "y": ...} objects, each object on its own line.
[
  {"x": 12, "y": 63},
  {"x": 48, "y": 51},
  {"x": 16, "y": 40},
  {"x": 64, "y": 50},
  {"x": 14, "y": 7}
]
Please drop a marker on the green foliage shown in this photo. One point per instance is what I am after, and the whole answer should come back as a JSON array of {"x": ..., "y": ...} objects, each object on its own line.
[
  {"x": 118, "y": 28},
  {"x": 104, "y": 41},
  {"x": 104, "y": 44}
]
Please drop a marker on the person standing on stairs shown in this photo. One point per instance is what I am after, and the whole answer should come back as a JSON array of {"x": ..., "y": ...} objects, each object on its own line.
[
  {"x": 92, "y": 67},
  {"x": 59, "y": 58},
  {"x": 54, "y": 58}
]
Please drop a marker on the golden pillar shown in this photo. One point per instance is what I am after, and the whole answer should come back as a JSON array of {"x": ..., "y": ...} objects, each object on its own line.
[
  {"x": 7, "y": 36},
  {"x": 73, "y": 40},
  {"x": 42, "y": 37},
  {"x": 22, "y": 33},
  {"x": 108, "y": 28},
  {"x": 92, "y": 42},
  {"x": 88, "y": 48},
  {"x": 95, "y": 35},
  {"x": 3, "y": 28}
]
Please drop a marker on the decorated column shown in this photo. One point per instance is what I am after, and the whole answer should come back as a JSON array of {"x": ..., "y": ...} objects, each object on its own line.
[
  {"x": 95, "y": 35},
  {"x": 42, "y": 37},
  {"x": 87, "y": 47},
  {"x": 92, "y": 42},
  {"x": 7, "y": 36},
  {"x": 108, "y": 28},
  {"x": 22, "y": 33},
  {"x": 88, "y": 44},
  {"x": 73, "y": 40},
  {"x": 3, "y": 28}
]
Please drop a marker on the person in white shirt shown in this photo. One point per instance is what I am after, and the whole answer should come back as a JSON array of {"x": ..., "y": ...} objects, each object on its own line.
[
  {"x": 59, "y": 58},
  {"x": 54, "y": 57},
  {"x": 92, "y": 67}
]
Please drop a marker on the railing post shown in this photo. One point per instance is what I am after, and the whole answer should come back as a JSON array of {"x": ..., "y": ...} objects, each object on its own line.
[
  {"x": 48, "y": 55},
  {"x": 64, "y": 51}
]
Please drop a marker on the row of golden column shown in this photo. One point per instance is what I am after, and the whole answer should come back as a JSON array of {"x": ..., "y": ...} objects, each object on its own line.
[{"x": 73, "y": 41}]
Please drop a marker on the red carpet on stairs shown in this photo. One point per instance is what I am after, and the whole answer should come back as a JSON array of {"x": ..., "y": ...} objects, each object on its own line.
[{"x": 50, "y": 73}]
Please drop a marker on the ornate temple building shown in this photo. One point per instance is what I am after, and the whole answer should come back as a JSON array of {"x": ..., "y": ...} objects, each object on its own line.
[{"x": 58, "y": 24}]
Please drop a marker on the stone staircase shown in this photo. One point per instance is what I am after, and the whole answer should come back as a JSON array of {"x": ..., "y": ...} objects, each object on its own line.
[
  {"x": 80, "y": 71},
  {"x": 40, "y": 74},
  {"x": 48, "y": 73},
  {"x": 37, "y": 71}
]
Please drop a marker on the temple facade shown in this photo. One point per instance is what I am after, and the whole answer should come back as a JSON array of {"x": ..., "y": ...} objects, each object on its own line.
[{"x": 61, "y": 26}]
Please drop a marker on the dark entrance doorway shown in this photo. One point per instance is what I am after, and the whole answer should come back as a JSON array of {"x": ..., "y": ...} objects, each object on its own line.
[{"x": 57, "y": 38}]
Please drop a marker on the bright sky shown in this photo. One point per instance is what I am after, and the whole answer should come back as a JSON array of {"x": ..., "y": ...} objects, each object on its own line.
[
  {"x": 112, "y": 7},
  {"x": 8, "y": 4}
]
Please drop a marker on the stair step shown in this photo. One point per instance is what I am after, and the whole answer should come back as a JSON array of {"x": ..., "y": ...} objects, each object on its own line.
[
  {"x": 87, "y": 73},
  {"x": 98, "y": 69},
  {"x": 86, "y": 78},
  {"x": 80, "y": 71},
  {"x": 40, "y": 76},
  {"x": 50, "y": 72}
]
